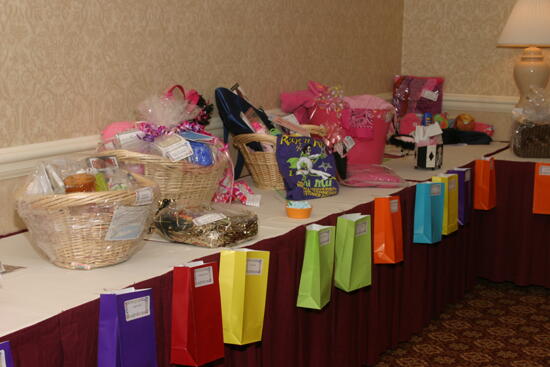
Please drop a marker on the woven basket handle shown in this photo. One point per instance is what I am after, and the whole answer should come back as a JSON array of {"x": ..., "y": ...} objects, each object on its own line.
[{"x": 170, "y": 92}]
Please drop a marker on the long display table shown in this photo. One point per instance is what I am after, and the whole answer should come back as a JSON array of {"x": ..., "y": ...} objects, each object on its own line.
[{"x": 50, "y": 314}]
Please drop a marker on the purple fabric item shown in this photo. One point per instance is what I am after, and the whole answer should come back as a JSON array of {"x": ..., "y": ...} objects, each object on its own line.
[
  {"x": 464, "y": 193},
  {"x": 6, "y": 358},
  {"x": 126, "y": 335},
  {"x": 308, "y": 172}
]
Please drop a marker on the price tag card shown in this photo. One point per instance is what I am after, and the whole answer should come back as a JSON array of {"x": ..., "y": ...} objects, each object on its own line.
[
  {"x": 208, "y": 218},
  {"x": 3, "y": 362},
  {"x": 127, "y": 223},
  {"x": 544, "y": 171},
  {"x": 144, "y": 196},
  {"x": 431, "y": 95},
  {"x": 394, "y": 206},
  {"x": 203, "y": 276},
  {"x": 360, "y": 228},
  {"x": 324, "y": 237},
  {"x": 436, "y": 189},
  {"x": 137, "y": 308},
  {"x": 254, "y": 266}
]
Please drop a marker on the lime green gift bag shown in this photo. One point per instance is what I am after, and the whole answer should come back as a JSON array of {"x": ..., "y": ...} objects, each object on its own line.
[
  {"x": 317, "y": 268},
  {"x": 353, "y": 266}
]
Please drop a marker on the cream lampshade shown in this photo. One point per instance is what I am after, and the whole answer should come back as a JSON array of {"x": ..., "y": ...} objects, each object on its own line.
[{"x": 528, "y": 26}]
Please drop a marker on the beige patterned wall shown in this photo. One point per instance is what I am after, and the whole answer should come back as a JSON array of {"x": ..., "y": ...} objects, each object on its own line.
[
  {"x": 71, "y": 66},
  {"x": 457, "y": 39}
]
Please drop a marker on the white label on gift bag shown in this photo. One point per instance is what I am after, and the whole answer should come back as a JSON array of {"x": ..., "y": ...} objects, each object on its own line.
[
  {"x": 3, "y": 362},
  {"x": 203, "y": 276},
  {"x": 324, "y": 237},
  {"x": 127, "y": 223},
  {"x": 144, "y": 196},
  {"x": 349, "y": 142},
  {"x": 394, "y": 206},
  {"x": 208, "y": 218},
  {"x": 452, "y": 185},
  {"x": 137, "y": 308},
  {"x": 436, "y": 189},
  {"x": 544, "y": 171},
  {"x": 254, "y": 266},
  {"x": 360, "y": 228},
  {"x": 467, "y": 175},
  {"x": 431, "y": 95}
]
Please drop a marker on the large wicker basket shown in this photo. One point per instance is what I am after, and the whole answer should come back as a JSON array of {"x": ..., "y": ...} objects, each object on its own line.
[
  {"x": 263, "y": 165},
  {"x": 177, "y": 180},
  {"x": 71, "y": 229}
]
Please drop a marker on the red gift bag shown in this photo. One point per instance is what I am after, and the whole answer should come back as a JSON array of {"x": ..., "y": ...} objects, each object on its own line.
[
  {"x": 388, "y": 230},
  {"x": 541, "y": 189},
  {"x": 485, "y": 190},
  {"x": 197, "y": 334}
]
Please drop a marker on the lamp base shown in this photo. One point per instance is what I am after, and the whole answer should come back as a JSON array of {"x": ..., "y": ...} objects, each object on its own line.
[{"x": 530, "y": 70}]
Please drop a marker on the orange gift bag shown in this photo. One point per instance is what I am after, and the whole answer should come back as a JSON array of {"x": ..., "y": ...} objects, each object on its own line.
[
  {"x": 541, "y": 189},
  {"x": 388, "y": 231},
  {"x": 485, "y": 191}
]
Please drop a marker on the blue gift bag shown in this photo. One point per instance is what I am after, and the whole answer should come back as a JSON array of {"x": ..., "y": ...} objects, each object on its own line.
[
  {"x": 464, "y": 193},
  {"x": 126, "y": 329},
  {"x": 6, "y": 359},
  {"x": 428, "y": 212}
]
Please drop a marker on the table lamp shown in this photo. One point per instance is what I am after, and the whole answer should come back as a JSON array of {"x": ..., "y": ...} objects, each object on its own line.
[{"x": 528, "y": 26}]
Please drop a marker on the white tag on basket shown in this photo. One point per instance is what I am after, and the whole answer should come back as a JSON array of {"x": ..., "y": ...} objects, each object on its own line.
[
  {"x": 137, "y": 308},
  {"x": 128, "y": 223},
  {"x": 349, "y": 143},
  {"x": 208, "y": 218},
  {"x": 144, "y": 196},
  {"x": 128, "y": 139},
  {"x": 173, "y": 147}
]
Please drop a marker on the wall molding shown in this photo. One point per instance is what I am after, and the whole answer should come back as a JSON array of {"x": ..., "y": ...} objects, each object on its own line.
[{"x": 19, "y": 160}]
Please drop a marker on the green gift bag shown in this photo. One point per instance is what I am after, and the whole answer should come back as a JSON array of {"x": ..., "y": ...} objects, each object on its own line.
[
  {"x": 353, "y": 266},
  {"x": 317, "y": 268}
]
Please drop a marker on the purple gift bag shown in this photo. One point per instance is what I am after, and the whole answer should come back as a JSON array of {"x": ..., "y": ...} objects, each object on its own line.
[
  {"x": 6, "y": 359},
  {"x": 464, "y": 193},
  {"x": 126, "y": 329}
]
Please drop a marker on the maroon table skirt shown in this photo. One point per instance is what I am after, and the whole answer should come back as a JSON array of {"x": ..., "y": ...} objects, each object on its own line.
[{"x": 354, "y": 328}]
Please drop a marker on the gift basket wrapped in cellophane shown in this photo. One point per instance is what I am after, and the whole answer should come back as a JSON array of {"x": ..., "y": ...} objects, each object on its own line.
[
  {"x": 206, "y": 225},
  {"x": 531, "y": 137},
  {"x": 85, "y": 214},
  {"x": 169, "y": 145}
]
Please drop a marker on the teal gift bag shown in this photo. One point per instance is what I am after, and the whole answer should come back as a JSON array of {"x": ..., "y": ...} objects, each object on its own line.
[
  {"x": 353, "y": 266},
  {"x": 317, "y": 268},
  {"x": 428, "y": 212}
]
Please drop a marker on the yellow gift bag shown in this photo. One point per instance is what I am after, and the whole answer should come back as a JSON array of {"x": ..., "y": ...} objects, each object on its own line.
[
  {"x": 450, "y": 199},
  {"x": 243, "y": 288}
]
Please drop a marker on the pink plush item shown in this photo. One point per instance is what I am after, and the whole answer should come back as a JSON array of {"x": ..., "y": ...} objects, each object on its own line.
[
  {"x": 484, "y": 128},
  {"x": 114, "y": 128},
  {"x": 408, "y": 123},
  {"x": 372, "y": 175}
]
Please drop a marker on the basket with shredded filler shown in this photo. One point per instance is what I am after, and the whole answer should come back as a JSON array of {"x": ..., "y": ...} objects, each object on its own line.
[
  {"x": 263, "y": 165},
  {"x": 180, "y": 180},
  {"x": 72, "y": 228}
]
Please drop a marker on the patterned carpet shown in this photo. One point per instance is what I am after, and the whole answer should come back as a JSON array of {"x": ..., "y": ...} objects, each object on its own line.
[{"x": 495, "y": 325}]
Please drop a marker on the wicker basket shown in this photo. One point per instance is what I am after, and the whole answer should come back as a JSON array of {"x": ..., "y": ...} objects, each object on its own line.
[
  {"x": 263, "y": 165},
  {"x": 177, "y": 180},
  {"x": 532, "y": 140},
  {"x": 71, "y": 228}
]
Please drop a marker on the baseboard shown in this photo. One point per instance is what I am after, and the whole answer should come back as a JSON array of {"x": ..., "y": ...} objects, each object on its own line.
[{"x": 19, "y": 161}]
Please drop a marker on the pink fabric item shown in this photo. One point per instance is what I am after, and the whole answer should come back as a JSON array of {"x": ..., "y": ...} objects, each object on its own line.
[
  {"x": 408, "y": 123},
  {"x": 484, "y": 128},
  {"x": 372, "y": 175},
  {"x": 298, "y": 103}
]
